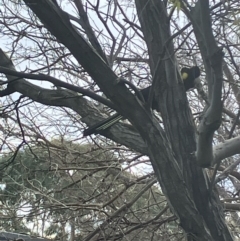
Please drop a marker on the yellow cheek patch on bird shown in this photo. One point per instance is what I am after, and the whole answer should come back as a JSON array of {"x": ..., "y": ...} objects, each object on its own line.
[{"x": 184, "y": 76}]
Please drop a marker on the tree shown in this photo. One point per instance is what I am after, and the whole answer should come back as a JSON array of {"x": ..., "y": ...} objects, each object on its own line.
[
  {"x": 56, "y": 193},
  {"x": 101, "y": 46}
]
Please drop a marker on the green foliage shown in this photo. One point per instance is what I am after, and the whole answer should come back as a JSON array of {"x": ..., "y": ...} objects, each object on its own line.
[
  {"x": 176, "y": 5},
  {"x": 67, "y": 183}
]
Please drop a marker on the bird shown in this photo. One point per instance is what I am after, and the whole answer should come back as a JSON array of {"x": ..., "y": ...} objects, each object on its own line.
[{"x": 189, "y": 75}]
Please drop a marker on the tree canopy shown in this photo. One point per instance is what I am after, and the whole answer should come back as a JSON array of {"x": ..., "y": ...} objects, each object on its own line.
[{"x": 67, "y": 65}]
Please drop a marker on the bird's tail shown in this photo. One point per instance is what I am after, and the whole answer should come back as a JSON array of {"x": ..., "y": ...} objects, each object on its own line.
[{"x": 102, "y": 125}]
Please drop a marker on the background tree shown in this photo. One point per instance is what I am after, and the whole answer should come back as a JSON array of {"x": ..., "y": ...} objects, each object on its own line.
[
  {"x": 88, "y": 48},
  {"x": 62, "y": 186}
]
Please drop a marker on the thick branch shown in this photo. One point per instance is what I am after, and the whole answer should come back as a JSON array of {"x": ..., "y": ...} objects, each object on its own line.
[
  {"x": 212, "y": 57},
  {"x": 226, "y": 149},
  {"x": 120, "y": 133}
]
